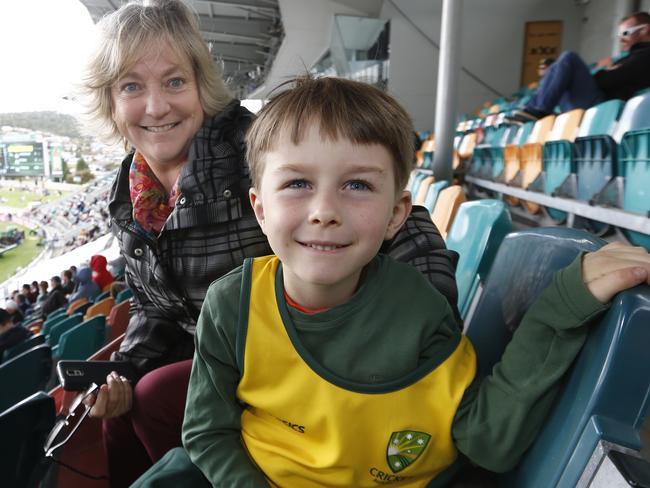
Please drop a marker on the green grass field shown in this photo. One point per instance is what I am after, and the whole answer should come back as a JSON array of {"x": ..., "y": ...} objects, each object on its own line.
[
  {"x": 20, "y": 256},
  {"x": 20, "y": 199}
]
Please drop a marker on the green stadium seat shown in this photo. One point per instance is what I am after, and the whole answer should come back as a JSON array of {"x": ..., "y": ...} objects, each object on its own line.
[
  {"x": 57, "y": 330},
  {"x": 432, "y": 194},
  {"x": 101, "y": 296},
  {"x": 604, "y": 395},
  {"x": 123, "y": 295},
  {"x": 51, "y": 322},
  {"x": 24, "y": 375},
  {"x": 23, "y": 346},
  {"x": 476, "y": 234},
  {"x": 83, "y": 340},
  {"x": 24, "y": 428}
]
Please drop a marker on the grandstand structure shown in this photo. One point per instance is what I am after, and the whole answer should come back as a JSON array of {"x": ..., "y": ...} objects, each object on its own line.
[{"x": 516, "y": 201}]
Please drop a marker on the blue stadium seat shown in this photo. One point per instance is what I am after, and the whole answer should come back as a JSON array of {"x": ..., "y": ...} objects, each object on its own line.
[
  {"x": 477, "y": 231},
  {"x": 24, "y": 375},
  {"x": 634, "y": 167},
  {"x": 83, "y": 340},
  {"x": 23, "y": 346},
  {"x": 57, "y": 330},
  {"x": 432, "y": 194},
  {"x": 24, "y": 428},
  {"x": 604, "y": 395},
  {"x": 51, "y": 322}
]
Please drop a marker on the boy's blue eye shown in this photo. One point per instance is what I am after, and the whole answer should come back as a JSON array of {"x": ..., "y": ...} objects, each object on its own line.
[
  {"x": 130, "y": 87},
  {"x": 358, "y": 185},
  {"x": 297, "y": 184}
]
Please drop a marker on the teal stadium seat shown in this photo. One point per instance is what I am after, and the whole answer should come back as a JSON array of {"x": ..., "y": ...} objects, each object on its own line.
[
  {"x": 24, "y": 375},
  {"x": 604, "y": 395},
  {"x": 123, "y": 295},
  {"x": 520, "y": 137},
  {"x": 51, "y": 322},
  {"x": 432, "y": 194},
  {"x": 65, "y": 325},
  {"x": 23, "y": 346},
  {"x": 24, "y": 428},
  {"x": 634, "y": 162},
  {"x": 495, "y": 161},
  {"x": 480, "y": 164},
  {"x": 101, "y": 296},
  {"x": 83, "y": 340},
  {"x": 418, "y": 176},
  {"x": 476, "y": 234}
]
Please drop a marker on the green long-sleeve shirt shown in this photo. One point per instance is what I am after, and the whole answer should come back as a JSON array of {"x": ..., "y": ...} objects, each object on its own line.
[{"x": 498, "y": 417}]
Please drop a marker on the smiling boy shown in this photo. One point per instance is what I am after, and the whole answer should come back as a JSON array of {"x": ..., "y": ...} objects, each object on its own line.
[{"x": 331, "y": 365}]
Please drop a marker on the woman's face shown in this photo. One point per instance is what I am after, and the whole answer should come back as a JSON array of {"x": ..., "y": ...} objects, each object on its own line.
[{"x": 156, "y": 107}]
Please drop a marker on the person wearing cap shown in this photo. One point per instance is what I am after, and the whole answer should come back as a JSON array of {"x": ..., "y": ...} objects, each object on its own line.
[
  {"x": 10, "y": 333},
  {"x": 569, "y": 83}
]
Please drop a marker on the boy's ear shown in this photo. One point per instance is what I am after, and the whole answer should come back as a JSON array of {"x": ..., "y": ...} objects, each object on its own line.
[
  {"x": 401, "y": 211},
  {"x": 258, "y": 208}
]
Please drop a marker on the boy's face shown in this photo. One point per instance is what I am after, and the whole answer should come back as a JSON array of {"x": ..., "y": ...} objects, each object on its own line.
[{"x": 326, "y": 207}]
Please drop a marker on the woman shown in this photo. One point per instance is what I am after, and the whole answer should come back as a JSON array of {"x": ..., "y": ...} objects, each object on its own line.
[{"x": 180, "y": 211}]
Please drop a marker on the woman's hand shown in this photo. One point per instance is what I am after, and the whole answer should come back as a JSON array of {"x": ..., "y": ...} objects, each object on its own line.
[{"x": 114, "y": 398}]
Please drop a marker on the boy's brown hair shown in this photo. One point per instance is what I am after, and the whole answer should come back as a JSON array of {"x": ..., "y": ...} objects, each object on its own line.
[{"x": 343, "y": 108}]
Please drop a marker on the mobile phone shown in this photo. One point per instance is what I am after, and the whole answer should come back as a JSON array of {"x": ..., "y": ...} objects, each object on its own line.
[{"x": 79, "y": 375}]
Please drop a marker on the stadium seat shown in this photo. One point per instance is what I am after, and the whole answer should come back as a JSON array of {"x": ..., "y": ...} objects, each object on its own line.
[
  {"x": 51, "y": 322},
  {"x": 24, "y": 375},
  {"x": 35, "y": 326},
  {"x": 476, "y": 233},
  {"x": 428, "y": 148},
  {"x": 24, "y": 428},
  {"x": 604, "y": 394},
  {"x": 118, "y": 320},
  {"x": 414, "y": 181},
  {"x": 76, "y": 304},
  {"x": 446, "y": 207},
  {"x": 57, "y": 330},
  {"x": 420, "y": 196},
  {"x": 103, "y": 295},
  {"x": 58, "y": 312},
  {"x": 124, "y": 295},
  {"x": 83, "y": 340},
  {"x": 102, "y": 307},
  {"x": 465, "y": 150},
  {"x": 511, "y": 155},
  {"x": 558, "y": 156},
  {"x": 23, "y": 346},
  {"x": 432, "y": 194},
  {"x": 106, "y": 289}
]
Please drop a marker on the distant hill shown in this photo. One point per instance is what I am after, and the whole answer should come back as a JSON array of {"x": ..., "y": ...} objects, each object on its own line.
[{"x": 52, "y": 122}]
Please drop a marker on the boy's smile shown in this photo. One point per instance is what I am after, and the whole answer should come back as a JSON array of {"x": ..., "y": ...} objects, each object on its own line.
[{"x": 326, "y": 207}]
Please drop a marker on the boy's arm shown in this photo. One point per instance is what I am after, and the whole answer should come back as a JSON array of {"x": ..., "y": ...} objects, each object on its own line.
[
  {"x": 212, "y": 428},
  {"x": 499, "y": 418}
]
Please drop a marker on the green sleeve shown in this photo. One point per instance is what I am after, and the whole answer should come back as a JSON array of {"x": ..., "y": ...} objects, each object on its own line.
[
  {"x": 212, "y": 427},
  {"x": 499, "y": 418}
]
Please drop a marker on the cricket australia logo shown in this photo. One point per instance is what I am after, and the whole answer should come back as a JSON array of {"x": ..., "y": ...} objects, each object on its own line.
[{"x": 404, "y": 448}]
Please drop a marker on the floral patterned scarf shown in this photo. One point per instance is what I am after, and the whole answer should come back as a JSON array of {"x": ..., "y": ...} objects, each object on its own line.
[{"x": 151, "y": 204}]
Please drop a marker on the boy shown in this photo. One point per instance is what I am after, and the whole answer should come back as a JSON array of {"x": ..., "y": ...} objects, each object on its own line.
[{"x": 327, "y": 365}]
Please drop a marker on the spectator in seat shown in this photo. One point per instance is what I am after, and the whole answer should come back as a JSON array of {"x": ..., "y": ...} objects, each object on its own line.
[
  {"x": 42, "y": 293},
  {"x": 29, "y": 294},
  {"x": 55, "y": 299},
  {"x": 14, "y": 310},
  {"x": 180, "y": 213},
  {"x": 569, "y": 83},
  {"x": 23, "y": 304},
  {"x": 101, "y": 276},
  {"x": 85, "y": 287},
  {"x": 11, "y": 334},
  {"x": 67, "y": 285}
]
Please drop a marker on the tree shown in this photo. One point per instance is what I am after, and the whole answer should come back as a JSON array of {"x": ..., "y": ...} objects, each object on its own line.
[
  {"x": 65, "y": 169},
  {"x": 81, "y": 166}
]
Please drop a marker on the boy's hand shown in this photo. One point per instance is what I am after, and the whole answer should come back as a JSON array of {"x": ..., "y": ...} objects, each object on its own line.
[{"x": 614, "y": 268}]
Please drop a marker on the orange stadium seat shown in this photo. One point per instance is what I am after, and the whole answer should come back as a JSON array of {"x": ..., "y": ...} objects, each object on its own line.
[
  {"x": 102, "y": 307},
  {"x": 421, "y": 194},
  {"x": 75, "y": 305},
  {"x": 446, "y": 207}
]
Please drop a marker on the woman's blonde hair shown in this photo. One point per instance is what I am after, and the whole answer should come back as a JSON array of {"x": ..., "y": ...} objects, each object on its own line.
[{"x": 122, "y": 37}]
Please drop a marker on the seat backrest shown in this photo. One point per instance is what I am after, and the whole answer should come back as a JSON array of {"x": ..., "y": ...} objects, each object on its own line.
[
  {"x": 523, "y": 133},
  {"x": 23, "y": 346},
  {"x": 24, "y": 428},
  {"x": 447, "y": 204},
  {"x": 467, "y": 145},
  {"x": 541, "y": 130},
  {"x": 636, "y": 115},
  {"x": 102, "y": 307},
  {"x": 76, "y": 304},
  {"x": 601, "y": 119},
  {"x": 104, "y": 294},
  {"x": 423, "y": 190},
  {"x": 432, "y": 194},
  {"x": 83, "y": 340},
  {"x": 566, "y": 126},
  {"x": 477, "y": 231},
  {"x": 61, "y": 327},
  {"x": 124, "y": 295},
  {"x": 24, "y": 375}
]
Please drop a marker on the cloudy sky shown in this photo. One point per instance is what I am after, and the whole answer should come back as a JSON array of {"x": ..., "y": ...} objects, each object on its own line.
[{"x": 43, "y": 45}]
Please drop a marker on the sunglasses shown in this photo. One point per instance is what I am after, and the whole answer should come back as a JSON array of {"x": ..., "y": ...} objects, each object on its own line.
[{"x": 631, "y": 30}]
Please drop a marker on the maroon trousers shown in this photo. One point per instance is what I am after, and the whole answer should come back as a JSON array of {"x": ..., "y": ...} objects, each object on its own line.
[{"x": 139, "y": 438}]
